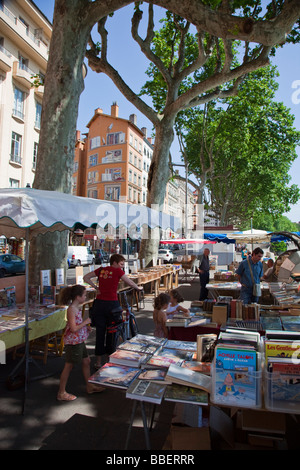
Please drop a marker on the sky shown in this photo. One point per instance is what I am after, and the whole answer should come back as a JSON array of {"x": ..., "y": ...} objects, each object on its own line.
[{"x": 127, "y": 58}]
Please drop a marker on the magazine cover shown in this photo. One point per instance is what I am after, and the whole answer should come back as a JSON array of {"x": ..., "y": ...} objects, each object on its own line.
[
  {"x": 114, "y": 375},
  {"x": 235, "y": 358},
  {"x": 144, "y": 390},
  {"x": 184, "y": 394}
]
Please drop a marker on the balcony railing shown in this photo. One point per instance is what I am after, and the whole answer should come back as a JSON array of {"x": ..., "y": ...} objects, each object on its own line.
[{"x": 15, "y": 159}]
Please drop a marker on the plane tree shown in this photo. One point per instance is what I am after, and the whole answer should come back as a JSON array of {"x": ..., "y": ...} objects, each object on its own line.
[{"x": 217, "y": 23}]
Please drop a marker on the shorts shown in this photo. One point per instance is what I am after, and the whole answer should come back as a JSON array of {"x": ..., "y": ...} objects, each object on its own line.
[{"x": 74, "y": 353}]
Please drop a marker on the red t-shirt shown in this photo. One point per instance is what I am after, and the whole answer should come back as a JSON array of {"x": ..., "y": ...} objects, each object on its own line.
[{"x": 109, "y": 278}]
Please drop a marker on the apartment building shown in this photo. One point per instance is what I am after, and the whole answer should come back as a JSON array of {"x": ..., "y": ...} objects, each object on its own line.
[
  {"x": 113, "y": 160},
  {"x": 25, "y": 35}
]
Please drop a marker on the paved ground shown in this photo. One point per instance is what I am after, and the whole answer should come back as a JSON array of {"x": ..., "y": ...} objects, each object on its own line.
[
  {"x": 92, "y": 422},
  {"x": 98, "y": 421}
]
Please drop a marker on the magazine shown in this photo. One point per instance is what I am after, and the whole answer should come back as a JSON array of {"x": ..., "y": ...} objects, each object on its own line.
[
  {"x": 184, "y": 394},
  {"x": 114, "y": 375},
  {"x": 181, "y": 345},
  {"x": 130, "y": 345},
  {"x": 175, "y": 354},
  {"x": 144, "y": 390},
  {"x": 155, "y": 375},
  {"x": 128, "y": 358},
  {"x": 184, "y": 376}
]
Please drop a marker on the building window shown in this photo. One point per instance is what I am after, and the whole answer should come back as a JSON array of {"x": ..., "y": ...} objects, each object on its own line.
[
  {"x": 115, "y": 138},
  {"x": 95, "y": 142},
  {"x": 14, "y": 183},
  {"x": 130, "y": 176},
  {"x": 93, "y": 177},
  {"x": 19, "y": 98},
  {"x": 93, "y": 159},
  {"x": 35, "y": 152},
  {"x": 38, "y": 115},
  {"x": 112, "y": 193},
  {"x": 92, "y": 193},
  {"x": 16, "y": 144}
]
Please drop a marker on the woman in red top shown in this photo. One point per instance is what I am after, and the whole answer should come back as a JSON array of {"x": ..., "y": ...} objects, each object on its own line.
[{"x": 106, "y": 299}]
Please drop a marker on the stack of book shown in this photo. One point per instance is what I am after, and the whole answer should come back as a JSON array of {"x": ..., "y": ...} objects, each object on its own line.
[
  {"x": 282, "y": 357},
  {"x": 236, "y": 372}
]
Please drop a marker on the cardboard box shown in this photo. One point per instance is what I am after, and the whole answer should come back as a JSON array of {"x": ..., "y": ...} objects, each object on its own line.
[
  {"x": 186, "y": 438},
  {"x": 219, "y": 314}
]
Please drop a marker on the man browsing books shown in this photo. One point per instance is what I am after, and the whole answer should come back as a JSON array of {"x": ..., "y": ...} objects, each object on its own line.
[{"x": 249, "y": 272}]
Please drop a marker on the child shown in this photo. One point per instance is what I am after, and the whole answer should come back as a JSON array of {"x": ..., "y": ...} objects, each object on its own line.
[
  {"x": 174, "y": 307},
  {"x": 75, "y": 336},
  {"x": 160, "y": 316}
]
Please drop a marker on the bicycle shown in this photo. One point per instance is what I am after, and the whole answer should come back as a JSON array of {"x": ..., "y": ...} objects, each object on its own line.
[{"x": 122, "y": 328}]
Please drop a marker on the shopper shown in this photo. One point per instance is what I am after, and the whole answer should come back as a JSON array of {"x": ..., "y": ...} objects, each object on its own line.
[
  {"x": 174, "y": 305},
  {"x": 249, "y": 272},
  {"x": 76, "y": 333},
  {"x": 159, "y": 315},
  {"x": 106, "y": 301},
  {"x": 268, "y": 273},
  {"x": 203, "y": 271}
]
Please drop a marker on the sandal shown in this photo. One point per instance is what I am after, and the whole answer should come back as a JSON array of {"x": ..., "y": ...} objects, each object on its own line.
[{"x": 65, "y": 397}]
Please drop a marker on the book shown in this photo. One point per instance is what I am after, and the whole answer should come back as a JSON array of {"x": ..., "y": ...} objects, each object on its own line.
[
  {"x": 174, "y": 353},
  {"x": 184, "y": 394},
  {"x": 130, "y": 345},
  {"x": 34, "y": 295},
  {"x": 203, "y": 367},
  {"x": 183, "y": 322},
  {"x": 48, "y": 295},
  {"x": 162, "y": 362},
  {"x": 128, "y": 358},
  {"x": 282, "y": 349},
  {"x": 155, "y": 375},
  {"x": 148, "y": 340},
  {"x": 145, "y": 390},
  {"x": 235, "y": 358},
  {"x": 113, "y": 375},
  {"x": 185, "y": 376},
  {"x": 181, "y": 345},
  {"x": 11, "y": 296},
  {"x": 205, "y": 346}
]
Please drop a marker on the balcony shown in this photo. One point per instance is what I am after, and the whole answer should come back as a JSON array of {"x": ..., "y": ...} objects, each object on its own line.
[
  {"x": 22, "y": 74},
  {"x": 39, "y": 91},
  {"x": 5, "y": 59},
  {"x": 15, "y": 160}
]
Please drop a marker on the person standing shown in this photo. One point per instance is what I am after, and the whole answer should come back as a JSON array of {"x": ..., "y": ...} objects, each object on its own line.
[
  {"x": 106, "y": 300},
  {"x": 250, "y": 272},
  {"x": 203, "y": 271}
]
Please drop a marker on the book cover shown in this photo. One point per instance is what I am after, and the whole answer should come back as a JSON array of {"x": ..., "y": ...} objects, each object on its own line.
[
  {"x": 229, "y": 358},
  {"x": 34, "y": 295},
  {"x": 155, "y": 375},
  {"x": 162, "y": 362},
  {"x": 203, "y": 367},
  {"x": 144, "y": 390},
  {"x": 138, "y": 347},
  {"x": 113, "y": 375},
  {"x": 235, "y": 388},
  {"x": 184, "y": 376},
  {"x": 48, "y": 295},
  {"x": 287, "y": 349},
  {"x": 184, "y": 394},
  {"x": 148, "y": 340},
  {"x": 174, "y": 354},
  {"x": 128, "y": 358},
  {"x": 181, "y": 345}
]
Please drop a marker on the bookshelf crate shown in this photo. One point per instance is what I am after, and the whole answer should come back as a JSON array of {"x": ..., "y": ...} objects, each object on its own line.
[
  {"x": 282, "y": 392},
  {"x": 239, "y": 388}
]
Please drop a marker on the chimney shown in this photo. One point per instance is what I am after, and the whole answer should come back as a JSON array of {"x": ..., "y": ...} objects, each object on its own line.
[
  {"x": 149, "y": 140},
  {"x": 144, "y": 131},
  {"x": 133, "y": 119},
  {"x": 114, "y": 110},
  {"x": 77, "y": 135},
  {"x": 98, "y": 111}
]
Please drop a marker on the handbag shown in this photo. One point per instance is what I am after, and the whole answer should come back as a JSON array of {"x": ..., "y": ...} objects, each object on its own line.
[{"x": 256, "y": 291}]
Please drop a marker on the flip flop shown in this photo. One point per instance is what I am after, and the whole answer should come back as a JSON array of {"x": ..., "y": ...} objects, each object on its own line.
[{"x": 66, "y": 397}]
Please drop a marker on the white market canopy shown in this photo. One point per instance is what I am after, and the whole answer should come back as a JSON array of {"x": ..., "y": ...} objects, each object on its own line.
[{"x": 39, "y": 211}]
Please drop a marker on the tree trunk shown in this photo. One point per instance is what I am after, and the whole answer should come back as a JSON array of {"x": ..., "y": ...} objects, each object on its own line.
[
  {"x": 63, "y": 86},
  {"x": 157, "y": 182}
]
